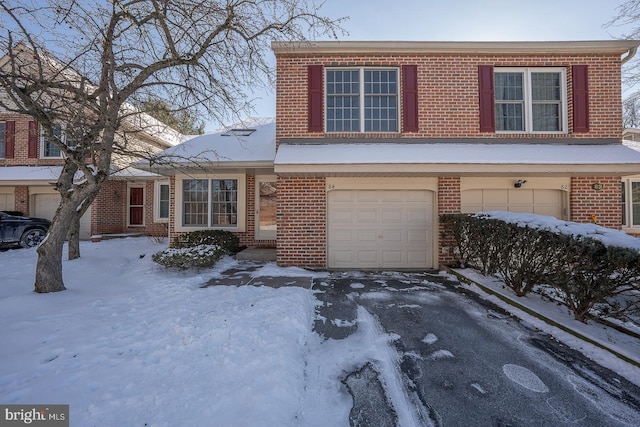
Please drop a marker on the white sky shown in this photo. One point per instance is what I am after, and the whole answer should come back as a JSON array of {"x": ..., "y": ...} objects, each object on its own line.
[{"x": 467, "y": 20}]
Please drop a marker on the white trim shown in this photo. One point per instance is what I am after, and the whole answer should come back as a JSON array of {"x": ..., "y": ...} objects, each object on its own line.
[
  {"x": 242, "y": 202},
  {"x": 627, "y": 223},
  {"x": 528, "y": 102},
  {"x": 156, "y": 202}
]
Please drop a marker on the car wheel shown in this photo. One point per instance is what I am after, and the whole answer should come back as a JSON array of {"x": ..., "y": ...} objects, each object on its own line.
[{"x": 32, "y": 238}]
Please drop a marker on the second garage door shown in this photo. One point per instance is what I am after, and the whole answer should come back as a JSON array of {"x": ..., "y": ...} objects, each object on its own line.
[
  {"x": 46, "y": 206},
  {"x": 538, "y": 201},
  {"x": 380, "y": 229}
]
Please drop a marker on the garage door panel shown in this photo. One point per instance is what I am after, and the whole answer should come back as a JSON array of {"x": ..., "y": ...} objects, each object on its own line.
[
  {"x": 7, "y": 202},
  {"x": 391, "y": 229},
  {"x": 522, "y": 200},
  {"x": 391, "y": 216},
  {"x": 419, "y": 216},
  {"x": 367, "y": 196},
  {"x": 495, "y": 197},
  {"x": 342, "y": 216},
  {"x": 549, "y": 197},
  {"x": 367, "y": 236},
  {"x": 367, "y": 216},
  {"x": 392, "y": 236},
  {"x": 545, "y": 210},
  {"x": 521, "y": 197}
]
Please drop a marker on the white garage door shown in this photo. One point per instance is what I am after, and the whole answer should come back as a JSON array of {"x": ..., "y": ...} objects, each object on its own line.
[
  {"x": 375, "y": 229},
  {"x": 46, "y": 206},
  {"x": 7, "y": 201},
  {"x": 542, "y": 202}
]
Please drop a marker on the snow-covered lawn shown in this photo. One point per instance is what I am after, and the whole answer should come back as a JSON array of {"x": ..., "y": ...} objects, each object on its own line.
[{"x": 130, "y": 343}]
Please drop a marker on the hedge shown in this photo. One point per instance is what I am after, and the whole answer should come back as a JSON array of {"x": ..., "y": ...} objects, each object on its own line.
[{"x": 588, "y": 274}]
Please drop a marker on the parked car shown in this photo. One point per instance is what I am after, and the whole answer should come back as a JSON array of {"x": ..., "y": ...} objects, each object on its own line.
[{"x": 20, "y": 230}]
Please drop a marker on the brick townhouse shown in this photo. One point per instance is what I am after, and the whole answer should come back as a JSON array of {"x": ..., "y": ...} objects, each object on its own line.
[{"x": 375, "y": 140}]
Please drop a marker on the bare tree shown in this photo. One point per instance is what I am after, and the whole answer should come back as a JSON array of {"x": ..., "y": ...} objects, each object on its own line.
[
  {"x": 110, "y": 55},
  {"x": 628, "y": 17}
]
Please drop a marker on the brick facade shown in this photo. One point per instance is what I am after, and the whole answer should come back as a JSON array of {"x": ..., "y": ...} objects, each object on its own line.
[
  {"x": 448, "y": 107},
  {"x": 302, "y": 205},
  {"x": 601, "y": 205},
  {"x": 448, "y": 92},
  {"x": 448, "y": 202}
]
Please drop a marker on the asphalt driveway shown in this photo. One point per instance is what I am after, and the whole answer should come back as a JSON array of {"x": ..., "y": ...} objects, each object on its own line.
[{"x": 462, "y": 361}]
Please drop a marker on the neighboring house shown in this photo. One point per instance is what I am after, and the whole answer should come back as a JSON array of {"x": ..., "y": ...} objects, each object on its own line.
[
  {"x": 131, "y": 201},
  {"x": 375, "y": 140}
]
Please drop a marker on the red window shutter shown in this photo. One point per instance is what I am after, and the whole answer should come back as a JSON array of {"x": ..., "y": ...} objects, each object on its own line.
[
  {"x": 580, "y": 98},
  {"x": 410, "y": 98},
  {"x": 34, "y": 136},
  {"x": 316, "y": 101},
  {"x": 9, "y": 139},
  {"x": 487, "y": 108}
]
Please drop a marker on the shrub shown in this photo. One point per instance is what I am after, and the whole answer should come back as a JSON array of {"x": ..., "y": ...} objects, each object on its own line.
[
  {"x": 201, "y": 256},
  {"x": 198, "y": 249},
  {"x": 226, "y": 240}
]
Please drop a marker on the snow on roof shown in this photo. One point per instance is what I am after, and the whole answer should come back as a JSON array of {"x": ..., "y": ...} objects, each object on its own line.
[
  {"x": 251, "y": 140},
  {"x": 452, "y": 153},
  {"x": 30, "y": 173}
]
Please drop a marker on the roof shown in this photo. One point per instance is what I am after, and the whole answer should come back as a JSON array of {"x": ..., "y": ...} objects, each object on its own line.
[
  {"x": 474, "y": 47},
  {"x": 458, "y": 158},
  {"x": 30, "y": 173},
  {"x": 248, "y": 143},
  {"x": 50, "y": 174}
]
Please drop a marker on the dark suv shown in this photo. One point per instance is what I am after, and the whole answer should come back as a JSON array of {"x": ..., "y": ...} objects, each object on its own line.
[{"x": 20, "y": 230}]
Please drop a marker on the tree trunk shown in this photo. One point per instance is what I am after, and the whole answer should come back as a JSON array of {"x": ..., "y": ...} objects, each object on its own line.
[
  {"x": 49, "y": 266},
  {"x": 73, "y": 238}
]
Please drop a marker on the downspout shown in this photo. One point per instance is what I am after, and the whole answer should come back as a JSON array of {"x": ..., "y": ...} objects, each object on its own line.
[{"x": 630, "y": 54}]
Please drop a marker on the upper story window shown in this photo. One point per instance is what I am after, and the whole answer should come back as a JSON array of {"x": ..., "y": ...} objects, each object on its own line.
[
  {"x": 49, "y": 149},
  {"x": 530, "y": 100},
  {"x": 2, "y": 140},
  {"x": 362, "y": 100}
]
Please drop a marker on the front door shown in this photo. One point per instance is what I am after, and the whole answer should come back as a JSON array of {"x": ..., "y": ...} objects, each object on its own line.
[
  {"x": 266, "y": 200},
  {"x": 136, "y": 206}
]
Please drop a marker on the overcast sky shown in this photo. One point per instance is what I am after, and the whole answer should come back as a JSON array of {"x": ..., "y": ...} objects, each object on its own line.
[{"x": 468, "y": 20}]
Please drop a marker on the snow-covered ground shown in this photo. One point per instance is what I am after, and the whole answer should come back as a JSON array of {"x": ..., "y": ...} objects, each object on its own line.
[{"x": 130, "y": 343}]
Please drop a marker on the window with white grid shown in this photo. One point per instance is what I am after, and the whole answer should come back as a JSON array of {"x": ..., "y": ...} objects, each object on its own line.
[
  {"x": 530, "y": 100},
  {"x": 362, "y": 100}
]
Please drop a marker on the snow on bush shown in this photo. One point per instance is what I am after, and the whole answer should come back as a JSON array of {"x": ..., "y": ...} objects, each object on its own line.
[
  {"x": 201, "y": 256},
  {"x": 607, "y": 236}
]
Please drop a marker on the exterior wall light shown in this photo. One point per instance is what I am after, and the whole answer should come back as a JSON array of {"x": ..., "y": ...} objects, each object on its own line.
[{"x": 519, "y": 183}]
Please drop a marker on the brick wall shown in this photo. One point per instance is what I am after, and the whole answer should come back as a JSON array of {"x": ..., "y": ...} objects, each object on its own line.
[
  {"x": 21, "y": 194},
  {"x": 448, "y": 202},
  {"x": 603, "y": 206},
  {"x": 302, "y": 205},
  {"x": 448, "y": 92},
  {"x": 21, "y": 157}
]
